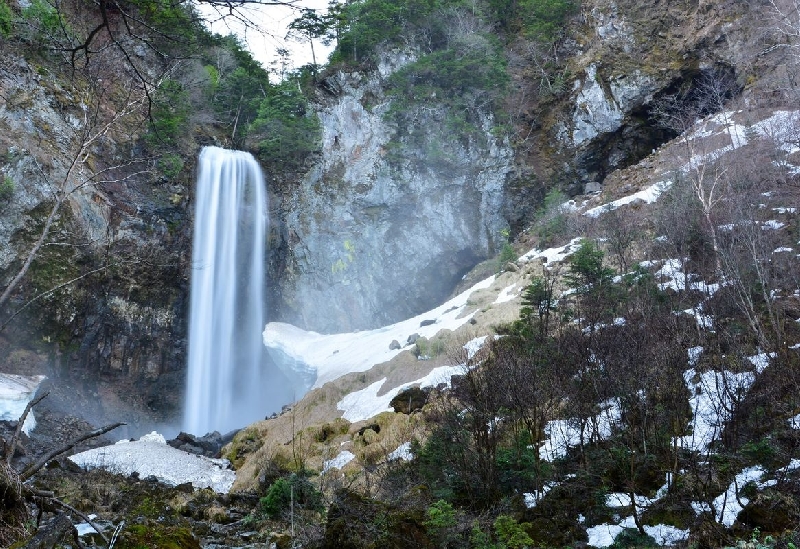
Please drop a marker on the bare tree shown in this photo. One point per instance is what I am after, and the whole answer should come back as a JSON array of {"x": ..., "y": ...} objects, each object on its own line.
[
  {"x": 17, "y": 493},
  {"x": 683, "y": 114},
  {"x": 76, "y": 176},
  {"x": 784, "y": 18}
]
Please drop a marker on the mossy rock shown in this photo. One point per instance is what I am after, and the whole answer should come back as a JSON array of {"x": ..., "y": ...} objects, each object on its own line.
[
  {"x": 670, "y": 511},
  {"x": 332, "y": 429},
  {"x": 146, "y": 536},
  {"x": 771, "y": 512},
  {"x": 245, "y": 443}
]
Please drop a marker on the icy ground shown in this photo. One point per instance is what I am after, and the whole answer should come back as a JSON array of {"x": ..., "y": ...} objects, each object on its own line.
[{"x": 152, "y": 456}]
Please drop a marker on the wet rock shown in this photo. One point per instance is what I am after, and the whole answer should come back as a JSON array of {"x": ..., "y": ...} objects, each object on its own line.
[
  {"x": 427, "y": 323},
  {"x": 394, "y": 345},
  {"x": 412, "y": 339},
  {"x": 209, "y": 445}
]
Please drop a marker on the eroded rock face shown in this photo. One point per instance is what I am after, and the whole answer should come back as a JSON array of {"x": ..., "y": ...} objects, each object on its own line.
[{"x": 373, "y": 236}]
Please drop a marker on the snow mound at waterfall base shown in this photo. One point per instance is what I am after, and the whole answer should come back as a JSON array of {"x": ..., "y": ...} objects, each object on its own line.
[{"x": 152, "y": 456}]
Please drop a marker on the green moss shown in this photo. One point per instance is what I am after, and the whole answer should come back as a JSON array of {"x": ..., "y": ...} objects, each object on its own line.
[
  {"x": 6, "y": 188},
  {"x": 151, "y": 535},
  {"x": 244, "y": 443},
  {"x": 151, "y": 508}
]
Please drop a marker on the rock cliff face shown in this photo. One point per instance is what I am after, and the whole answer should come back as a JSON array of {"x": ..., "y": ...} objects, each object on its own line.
[
  {"x": 379, "y": 229},
  {"x": 102, "y": 308}
]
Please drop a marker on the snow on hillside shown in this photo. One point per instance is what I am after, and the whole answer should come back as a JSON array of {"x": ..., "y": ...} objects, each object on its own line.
[{"x": 332, "y": 356}]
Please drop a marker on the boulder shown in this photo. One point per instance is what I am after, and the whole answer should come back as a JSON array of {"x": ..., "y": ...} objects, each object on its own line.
[{"x": 410, "y": 400}]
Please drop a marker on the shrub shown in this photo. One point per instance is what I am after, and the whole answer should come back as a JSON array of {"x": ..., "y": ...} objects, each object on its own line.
[
  {"x": 364, "y": 25},
  {"x": 586, "y": 267},
  {"x": 6, "y": 188},
  {"x": 285, "y": 131},
  {"x": 630, "y": 537},
  {"x": 551, "y": 220},
  {"x": 294, "y": 487},
  {"x": 540, "y": 20},
  {"x": 170, "y": 165},
  {"x": 511, "y": 533},
  {"x": 172, "y": 21},
  {"x": 507, "y": 253},
  {"x": 441, "y": 517},
  {"x": 6, "y": 19},
  {"x": 48, "y": 18},
  {"x": 466, "y": 79},
  {"x": 169, "y": 114}
]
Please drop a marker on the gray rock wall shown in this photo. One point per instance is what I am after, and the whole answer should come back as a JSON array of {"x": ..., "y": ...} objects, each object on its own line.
[{"x": 379, "y": 230}]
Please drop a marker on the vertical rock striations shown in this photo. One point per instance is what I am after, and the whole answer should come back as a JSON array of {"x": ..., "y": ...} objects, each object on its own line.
[{"x": 381, "y": 227}]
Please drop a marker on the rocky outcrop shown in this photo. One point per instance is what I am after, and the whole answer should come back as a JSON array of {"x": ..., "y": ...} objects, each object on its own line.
[
  {"x": 378, "y": 229},
  {"x": 624, "y": 58}
]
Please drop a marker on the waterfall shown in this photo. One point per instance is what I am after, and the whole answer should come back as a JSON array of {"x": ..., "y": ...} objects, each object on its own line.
[{"x": 225, "y": 380}]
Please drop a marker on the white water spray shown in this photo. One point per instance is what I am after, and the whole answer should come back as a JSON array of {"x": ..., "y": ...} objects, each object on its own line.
[{"x": 226, "y": 353}]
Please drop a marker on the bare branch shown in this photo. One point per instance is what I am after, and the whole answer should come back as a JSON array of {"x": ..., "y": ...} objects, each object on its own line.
[
  {"x": 82, "y": 515},
  {"x": 12, "y": 445},
  {"x": 32, "y": 469},
  {"x": 50, "y": 292},
  {"x": 63, "y": 191}
]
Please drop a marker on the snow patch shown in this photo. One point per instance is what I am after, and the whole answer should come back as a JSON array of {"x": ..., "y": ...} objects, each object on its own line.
[
  {"x": 338, "y": 462},
  {"x": 728, "y": 505},
  {"x": 563, "y": 434},
  {"x": 366, "y": 403},
  {"x": 334, "y": 355},
  {"x": 151, "y": 456},
  {"x": 603, "y": 535},
  {"x": 694, "y": 355},
  {"x": 507, "y": 294},
  {"x": 666, "y": 535},
  {"x": 533, "y": 498},
  {"x": 551, "y": 255},
  {"x": 647, "y": 195},
  {"x": 473, "y": 346},
  {"x": 15, "y": 393},
  {"x": 772, "y": 225},
  {"x": 713, "y": 397},
  {"x": 402, "y": 452}
]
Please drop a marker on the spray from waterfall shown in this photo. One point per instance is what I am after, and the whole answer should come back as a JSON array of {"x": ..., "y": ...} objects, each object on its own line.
[{"x": 226, "y": 353}]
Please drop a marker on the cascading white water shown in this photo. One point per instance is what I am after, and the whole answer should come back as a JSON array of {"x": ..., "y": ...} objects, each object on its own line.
[{"x": 226, "y": 352}]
